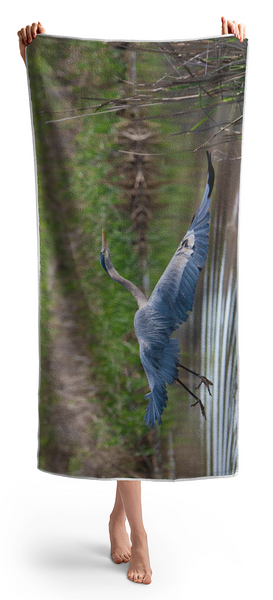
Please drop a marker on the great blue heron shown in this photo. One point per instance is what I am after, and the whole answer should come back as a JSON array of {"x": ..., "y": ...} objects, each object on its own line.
[{"x": 168, "y": 306}]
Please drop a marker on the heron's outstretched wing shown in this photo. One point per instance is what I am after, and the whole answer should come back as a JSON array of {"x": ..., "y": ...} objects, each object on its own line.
[
  {"x": 169, "y": 304},
  {"x": 174, "y": 293}
]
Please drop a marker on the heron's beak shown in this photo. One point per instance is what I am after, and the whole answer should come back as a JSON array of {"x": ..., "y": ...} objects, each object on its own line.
[{"x": 104, "y": 242}]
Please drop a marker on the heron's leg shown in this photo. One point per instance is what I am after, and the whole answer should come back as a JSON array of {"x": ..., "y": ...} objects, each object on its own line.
[
  {"x": 198, "y": 401},
  {"x": 204, "y": 379}
]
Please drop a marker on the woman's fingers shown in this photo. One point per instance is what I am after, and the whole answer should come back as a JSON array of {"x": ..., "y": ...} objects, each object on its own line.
[
  {"x": 238, "y": 30},
  {"x": 27, "y": 34},
  {"x": 34, "y": 28},
  {"x": 22, "y": 35},
  {"x": 224, "y": 26},
  {"x": 242, "y": 32},
  {"x": 21, "y": 42},
  {"x": 40, "y": 28},
  {"x": 231, "y": 27}
]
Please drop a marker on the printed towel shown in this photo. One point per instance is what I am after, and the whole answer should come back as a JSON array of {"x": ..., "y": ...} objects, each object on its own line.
[{"x": 138, "y": 154}]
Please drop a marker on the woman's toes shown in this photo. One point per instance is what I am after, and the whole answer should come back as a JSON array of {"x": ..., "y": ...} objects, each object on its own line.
[
  {"x": 139, "y": 577},
  {"x": 125, "y": 559},
  {"x": 117, "y": 558},
  {"x": 120, "y": 543}
]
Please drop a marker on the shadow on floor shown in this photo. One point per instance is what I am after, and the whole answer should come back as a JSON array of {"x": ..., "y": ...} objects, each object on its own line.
[{"x": 75, "y": 555}]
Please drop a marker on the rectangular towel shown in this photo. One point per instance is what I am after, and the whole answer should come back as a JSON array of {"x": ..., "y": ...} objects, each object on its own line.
[{"x": 138, "y": 155}]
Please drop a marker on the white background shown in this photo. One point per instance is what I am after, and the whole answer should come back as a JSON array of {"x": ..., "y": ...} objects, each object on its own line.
[{"x": 208, "y": 539}]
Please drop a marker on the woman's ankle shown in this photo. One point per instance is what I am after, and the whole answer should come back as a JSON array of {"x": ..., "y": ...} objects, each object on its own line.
[
  {"x": 138, "y": 535},
  {"x": 117, "y": 517}
]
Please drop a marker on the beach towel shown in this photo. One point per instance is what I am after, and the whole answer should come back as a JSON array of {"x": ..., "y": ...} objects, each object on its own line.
[{"x": 138, "y": 148}]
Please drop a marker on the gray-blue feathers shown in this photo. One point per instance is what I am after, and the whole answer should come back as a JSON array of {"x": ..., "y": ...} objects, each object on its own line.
[{"x": 169, "y": 305}]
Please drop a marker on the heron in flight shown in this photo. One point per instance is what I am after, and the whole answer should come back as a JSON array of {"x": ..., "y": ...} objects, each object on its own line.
[{"x": 168, "y": 306}]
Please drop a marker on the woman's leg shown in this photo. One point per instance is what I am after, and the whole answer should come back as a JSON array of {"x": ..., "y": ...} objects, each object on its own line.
[
  {"x": 139, "y": 566},
  {"x": 120, "y": 543}
]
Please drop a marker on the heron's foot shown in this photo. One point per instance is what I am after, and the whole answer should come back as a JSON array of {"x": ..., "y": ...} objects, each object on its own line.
[
  {"x": 139, "y": 566},
  {"x": 198, "y": 401},
  {"x": 120, "y": 543},
  {"x": 203, "y": 379},
  {"x": 206, "y": 381}
]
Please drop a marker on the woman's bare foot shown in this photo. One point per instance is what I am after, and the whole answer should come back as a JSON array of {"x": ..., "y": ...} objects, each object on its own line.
[
  {"x": 120, "y": 543},
  {"x": 139, "y": 566}
]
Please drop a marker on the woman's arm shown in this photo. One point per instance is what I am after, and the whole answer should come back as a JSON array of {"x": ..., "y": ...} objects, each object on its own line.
[{"x": 26, "y": 35}]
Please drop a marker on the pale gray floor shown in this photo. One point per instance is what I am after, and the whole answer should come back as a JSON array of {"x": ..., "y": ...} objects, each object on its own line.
[{"x": 56, "y": 541}]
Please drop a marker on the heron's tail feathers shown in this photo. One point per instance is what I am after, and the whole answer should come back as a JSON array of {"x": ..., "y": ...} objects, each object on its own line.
[
  {"x": 158, "y": 401},
  {"x": 165, "y": 372}
]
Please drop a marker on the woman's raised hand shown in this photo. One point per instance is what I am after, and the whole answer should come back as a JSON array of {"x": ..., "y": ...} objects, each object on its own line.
[
  {"x": 26, "y": 35},
  {"x": 232, "y": 27}
]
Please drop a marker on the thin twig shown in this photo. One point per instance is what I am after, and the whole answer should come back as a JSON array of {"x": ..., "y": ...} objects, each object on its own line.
[
  {"x": 217, "y": 133},
  {"x": 140, "y": 153},
  {"x": 117, "y": 108}
]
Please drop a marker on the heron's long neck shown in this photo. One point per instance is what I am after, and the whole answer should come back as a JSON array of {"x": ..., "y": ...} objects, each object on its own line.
[{"x": 138, "y": 295}]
